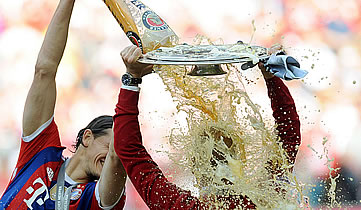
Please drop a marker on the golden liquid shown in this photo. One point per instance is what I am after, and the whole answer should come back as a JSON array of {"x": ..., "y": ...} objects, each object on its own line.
[
  {"x": 129, "y": 17},
  {"x": 218, "y": 108},
  {"x": 331, "y": 189}
]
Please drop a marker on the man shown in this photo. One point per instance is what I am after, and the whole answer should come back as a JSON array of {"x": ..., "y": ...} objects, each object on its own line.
[
  {"x": 148, "y": 179},
  {"x": 93, "y": 178}
]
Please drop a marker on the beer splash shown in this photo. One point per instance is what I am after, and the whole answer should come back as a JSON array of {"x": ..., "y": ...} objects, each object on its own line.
[
  {"x": 225, "y": 144},
  {"x": 227, "y": 154},
  {"x": 331, "y": 189}
]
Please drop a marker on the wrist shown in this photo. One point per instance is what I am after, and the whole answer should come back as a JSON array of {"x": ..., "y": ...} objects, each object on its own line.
[
  {"x": 129, "y": 79},
  {"x": 134, "y": 75}
]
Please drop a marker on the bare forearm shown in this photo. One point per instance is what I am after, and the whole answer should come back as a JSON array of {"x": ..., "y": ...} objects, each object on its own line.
[
  {"x": 56, "y": 36},
  {"x": 112, "y": 182},
  {"x": 40, "y": 103}
]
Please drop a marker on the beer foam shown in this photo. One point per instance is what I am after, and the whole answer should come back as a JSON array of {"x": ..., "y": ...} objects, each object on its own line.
[{"x": 226, "y": 141}]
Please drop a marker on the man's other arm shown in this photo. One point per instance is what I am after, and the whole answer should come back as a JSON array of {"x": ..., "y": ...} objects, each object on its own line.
[
  {"x": 112, "y": 180},
  {"x": 40, "y": 102},
  {"x": 284, "y": 113}
]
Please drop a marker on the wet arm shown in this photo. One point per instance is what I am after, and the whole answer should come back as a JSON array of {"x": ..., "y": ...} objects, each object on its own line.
[{"x": 286, "y": 117}]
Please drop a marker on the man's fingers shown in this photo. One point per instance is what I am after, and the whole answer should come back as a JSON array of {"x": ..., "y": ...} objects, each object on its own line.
[
  {"x": 125, "y": 51},
  {"x": 131, "y": 54},
  {"x": 136, "y": 53},
  {"x": 125, "y": 54}
]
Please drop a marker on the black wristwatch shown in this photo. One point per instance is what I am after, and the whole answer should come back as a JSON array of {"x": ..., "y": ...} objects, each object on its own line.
[{"x": 129, "y": 80}]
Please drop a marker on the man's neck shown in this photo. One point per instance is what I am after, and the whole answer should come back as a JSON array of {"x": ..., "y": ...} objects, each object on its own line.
[{"x": 76, "y": 169}]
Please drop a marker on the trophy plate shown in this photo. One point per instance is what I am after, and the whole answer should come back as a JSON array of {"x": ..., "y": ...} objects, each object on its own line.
[{"x": 204, "y": 54}]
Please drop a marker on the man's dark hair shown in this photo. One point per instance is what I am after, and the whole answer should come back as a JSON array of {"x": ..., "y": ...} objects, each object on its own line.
[{"x": 97, "y": 126}]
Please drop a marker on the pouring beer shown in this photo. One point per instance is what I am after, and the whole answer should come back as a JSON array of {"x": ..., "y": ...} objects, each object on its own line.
[{"x": 142, "y": 25}]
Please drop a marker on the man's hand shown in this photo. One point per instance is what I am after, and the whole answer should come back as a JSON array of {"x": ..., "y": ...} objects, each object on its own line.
[
  {"x": 130, "y": 56},
  {"x": 275, "y": 48}
]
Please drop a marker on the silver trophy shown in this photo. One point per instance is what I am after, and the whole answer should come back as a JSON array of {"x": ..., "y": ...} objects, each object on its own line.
[{"x": 207, "y": 59}]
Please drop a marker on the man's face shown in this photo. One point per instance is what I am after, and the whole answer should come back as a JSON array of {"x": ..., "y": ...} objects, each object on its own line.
[{"x": 96, "y": 152}]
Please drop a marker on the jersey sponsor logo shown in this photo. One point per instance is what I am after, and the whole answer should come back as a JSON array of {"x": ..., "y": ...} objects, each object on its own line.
[
  {"x": 153, "y": 22},
  {"x": 36, "y": 193}
]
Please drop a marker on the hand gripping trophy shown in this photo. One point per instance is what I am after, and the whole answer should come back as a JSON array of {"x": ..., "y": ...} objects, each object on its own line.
[{"x": 160, "y": 45}]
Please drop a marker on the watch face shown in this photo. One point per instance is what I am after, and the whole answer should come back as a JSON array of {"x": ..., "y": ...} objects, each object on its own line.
[{"x": 126, "y": 79}]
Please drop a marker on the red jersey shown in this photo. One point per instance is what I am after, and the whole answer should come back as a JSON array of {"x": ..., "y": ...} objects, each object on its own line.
[
  {"x": 34, "y": 180},
  {"x": 156, "y": 191}
]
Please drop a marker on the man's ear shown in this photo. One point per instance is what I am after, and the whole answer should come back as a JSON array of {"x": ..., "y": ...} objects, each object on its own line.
[{"x": 87, "y": 137}]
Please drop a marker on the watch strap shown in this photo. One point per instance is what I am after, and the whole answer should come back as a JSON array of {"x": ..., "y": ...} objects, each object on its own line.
[
  {"x": 129, "y": 80},
  {"x": 136, "y": 81}
]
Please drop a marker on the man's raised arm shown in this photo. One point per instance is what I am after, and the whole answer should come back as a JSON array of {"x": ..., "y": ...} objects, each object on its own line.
[
  {"x": 285, "y": 115},
  {"x": 40, "y": 102}
]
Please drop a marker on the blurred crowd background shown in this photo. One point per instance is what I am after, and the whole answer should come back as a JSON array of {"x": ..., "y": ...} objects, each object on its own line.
[{"x": 325, "y": 36}]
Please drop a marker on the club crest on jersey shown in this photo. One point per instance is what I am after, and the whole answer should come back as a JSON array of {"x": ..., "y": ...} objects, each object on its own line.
[
  {"x": 153, "y": 22},
  {"x": 75, "y": 194}
]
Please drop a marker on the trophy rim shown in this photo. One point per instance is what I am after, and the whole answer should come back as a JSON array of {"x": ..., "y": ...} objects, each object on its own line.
[{"x": 203, "y": 55}]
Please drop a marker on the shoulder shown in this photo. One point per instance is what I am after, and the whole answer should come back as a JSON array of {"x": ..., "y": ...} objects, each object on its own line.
[
  {"x": 47, "y": 127},
  {"x": 43, "y": 161},
  {"x": 45, "y": 136},
  {"x": 48, "y": 131}
]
